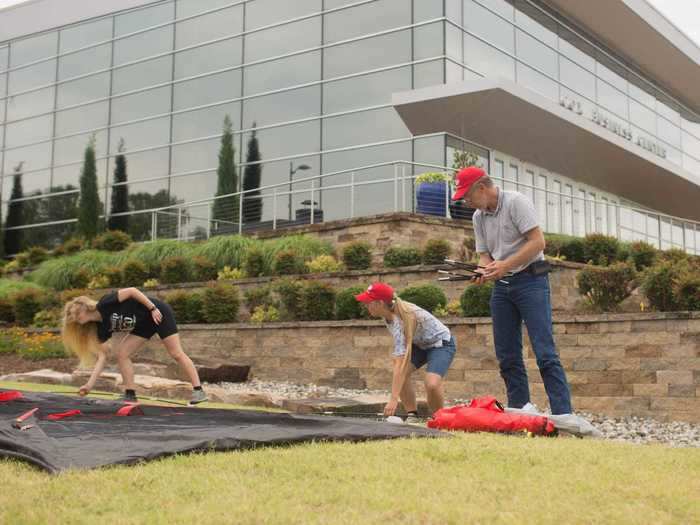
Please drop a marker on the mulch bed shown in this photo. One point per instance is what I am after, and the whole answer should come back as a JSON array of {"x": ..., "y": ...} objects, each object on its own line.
[{"x": 14, "y": 364}]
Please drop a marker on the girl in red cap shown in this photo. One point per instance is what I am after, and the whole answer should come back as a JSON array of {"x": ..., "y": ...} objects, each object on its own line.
[{"x": 419, "y": 339}]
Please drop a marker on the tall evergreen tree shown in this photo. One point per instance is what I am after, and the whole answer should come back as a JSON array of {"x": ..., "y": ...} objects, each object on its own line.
[
  {"x": 226, "y": 209},
  {"x": 120, "y": 193},
  {"x": 252, "y": 202},
  {"x": 14, "y": 239},
  {"x": 89, "y": 212}
]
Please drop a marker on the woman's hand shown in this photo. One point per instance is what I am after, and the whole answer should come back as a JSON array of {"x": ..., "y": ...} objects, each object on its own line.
[
  {"x": 84, "y": 390},
  {"x": 390, "y": 408},
  {"x": 156, "y": 315}
]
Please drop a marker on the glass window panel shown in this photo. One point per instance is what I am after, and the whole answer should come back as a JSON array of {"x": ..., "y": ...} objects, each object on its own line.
[
  {"x": 366, "y": 19},
  {"x": 527, "y": 184},
  {"x": 200, "y": 155},
  {"x": 282, "y": 107},
  {"x": 145, "y": 164},
  {"x": 85, "y": 34},
  {"x": 215, "y": 25},
  {"x": 536, "y": 23},
  {"x": 498, "y": 172},
  {"x": 691, "y": 126},
  {"x": 27, "y": 131},
  {"x": 139, "y": 19},
  {"x": 198, "y": 186},
  {"x": 141, "y": 135},
  {"x": 554, "y": 202},
  {"x": 489, "y": 26},
  {"x": 132, "y": 107},
  {"x": 72, "y": 149},
  {"x": 288, "y": 140},
  {"x": 536, "y": 54},
  {"x": 643, "y": 117},
  {"x": 575, "y": 48},
  {"x": 281, "y": 40},
  {"x": 365, "y": 55},
  {"x": 669, "y": 132},
  {"x": 454, "y": 72},
  {"x": 503, "y": 8},
  {"x": 83, "y": 90},
  {"x": 511, "y": 178},
  {"x": 640, "y": 91},
  {"x": 193, "y": 7},
  {"x": 582, "y": 106},
  {"x": 577, "y": 78},
  {"x": 33, "y": 158},
  {"x": 82, "y": 118},
  {"x": 487, "y": 60},
  {"x": 205, "y": 122},
  {"x": 208, "y": 58},
  {"x": 84, "y": 62},
  {"x": 142, "y": 75},
  {"x": 429, "y": 74},
  {"x": 668, "y": 109},
  {"x": 32, "y": 183},
  {"x": 34, "y": 103},
  {"x": 143, "y": 45},
  {"x": 430, "y": 150},
  {"x": 33, "y": 76},
  {"x": 33, "y": 48},
  {"x": 689, "y": 163},
  {"x": 4, "y": 56},
  {"x": 429, "y": 10},
  {"x": 691, "y": 145},
  {"x": 283, "y": 73},
  {"x": 265, "y": 12},
  {"x": 543, "y": 85},
  {"x": 612, "y": 99},
  {"x": 366, "y": 90},
  {"x": 611, "y": 72},
  {"x": 427, "y": 41},
  {"x": 363, "y": 128},
  {"x": 208, "y": 90},
  {"x": 453, "y": 41},
  {"x": 671, "y": 154}
]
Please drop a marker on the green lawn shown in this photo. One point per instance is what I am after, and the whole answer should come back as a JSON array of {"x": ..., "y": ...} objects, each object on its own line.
[{"x": 474, "y": 478}]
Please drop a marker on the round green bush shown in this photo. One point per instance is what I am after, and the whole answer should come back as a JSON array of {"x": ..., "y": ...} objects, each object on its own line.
[
  {"x": 317, "y": 302},
  {"x": 476, "y": 300},
  {"x": 658, "y": 285},
  {"x": 114, "y": 276},
  {"x": 643, "y": 255},
  {"x": 607, "y": 287},
  {"x": 203, "y": 269},
  {"x": 176, "y": 270},
  {"x": 287, "y": 262},
  {"x": 134, "y": 273},
  {"x": 69, "y": 247},
  {"x": 600, "y": 249},
  {"x": 289, "y": 292},
  {"x": 187, "y": 306},
  {"x": 26, "y": 303},
  {"x": 36, "y": 255},
  {"x": 220, "y": 303},
  {"x": 347, "y": 307},
  {"x": 397, "y": 256},
  {"x": 687, "y": 291},
  {"x": 436, "y": 251},
  {"x": 258, "y": 296},
  {"x": 254, "y": 264},
  {"x": 7, "y": 311},
  {"x": 357, "y": 255},
  {"x": 427, "y": 296},
  {"x": 112, "y": 241}
]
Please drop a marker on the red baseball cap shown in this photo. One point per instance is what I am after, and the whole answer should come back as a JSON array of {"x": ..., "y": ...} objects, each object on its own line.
[
  {"x": 377, "y": 292},
  {"x": 466, "y": 177}
]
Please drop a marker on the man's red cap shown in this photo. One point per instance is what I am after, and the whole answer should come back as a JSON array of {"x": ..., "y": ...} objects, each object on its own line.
[
  {"x": 466, "y": 177},
  {"x": 377, "y": 292}
]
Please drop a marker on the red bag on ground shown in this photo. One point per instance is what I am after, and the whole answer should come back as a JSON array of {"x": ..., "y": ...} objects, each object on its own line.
[
  {"x": 485, "y": 414},
  {"x": 10, "y": 395}
]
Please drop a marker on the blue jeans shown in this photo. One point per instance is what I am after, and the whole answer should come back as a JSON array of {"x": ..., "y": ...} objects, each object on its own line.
[
  {"x": 439, "y": 359},
  {"x": 526, "y": 298}
]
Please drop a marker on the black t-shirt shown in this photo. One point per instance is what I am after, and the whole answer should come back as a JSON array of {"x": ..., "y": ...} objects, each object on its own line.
[{"x": 122, "y": 317}]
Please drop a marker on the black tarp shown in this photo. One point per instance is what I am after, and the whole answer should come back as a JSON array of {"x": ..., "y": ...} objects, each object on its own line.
[{"x": 98, "y": 436}]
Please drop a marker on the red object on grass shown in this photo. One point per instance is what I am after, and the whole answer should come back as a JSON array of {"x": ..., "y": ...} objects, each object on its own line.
[
  {"x": 10, "y": 395},
  {"x": 63, "y": 415},
  {"x": 485, "y": 414},
  {"x": 130, "y": 409}
]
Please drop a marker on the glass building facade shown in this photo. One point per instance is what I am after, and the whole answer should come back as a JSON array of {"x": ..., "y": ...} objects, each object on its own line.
[{"x": 311, "y": 80}]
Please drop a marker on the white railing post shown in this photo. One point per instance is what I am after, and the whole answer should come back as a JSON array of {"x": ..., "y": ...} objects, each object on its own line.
[
  {"x": 352, "y": 195},
  {"x": 403, "y": 187},
  {"x": 209, "y": 208},
  {"x": 313, "y": 209},
  {"x": 396, "y": 188},
  {"x": 661, "y": 243},
  {"x": 179, "y": 224},
  {"x": 618, "y": 228},
  {"x": 447, "y": 199},
  {"x": 240, "y": 213},
  {"x": 274, "y": 209},
  {"x": 154, "y": 225}
]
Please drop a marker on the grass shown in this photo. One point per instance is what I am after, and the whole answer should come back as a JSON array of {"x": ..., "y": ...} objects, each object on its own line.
[
  {"x": 10, "y": 286},
  {"x": 474, "y": 478}
]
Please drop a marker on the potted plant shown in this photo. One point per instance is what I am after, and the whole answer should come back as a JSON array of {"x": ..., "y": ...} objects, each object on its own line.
[{"x": 432, "y": 193}]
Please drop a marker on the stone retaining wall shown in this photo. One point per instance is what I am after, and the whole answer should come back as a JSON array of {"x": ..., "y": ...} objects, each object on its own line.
[{"x": 619, "y": 365}]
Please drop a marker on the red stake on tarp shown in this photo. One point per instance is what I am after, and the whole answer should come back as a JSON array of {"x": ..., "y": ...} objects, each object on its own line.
[{"x": 63, "y": 415}]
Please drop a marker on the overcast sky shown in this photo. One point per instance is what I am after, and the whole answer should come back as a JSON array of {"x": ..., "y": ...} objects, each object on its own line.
[{"x": 683, "y": 13}]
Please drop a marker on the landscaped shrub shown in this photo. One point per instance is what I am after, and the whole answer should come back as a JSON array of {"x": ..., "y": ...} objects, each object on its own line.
[
  {"x": 258, "y": 296},
  {"x": 112, "y": 241},
  {"x": 324, "y": 264},
  {"x": 675, "y": 255},
  {"x": 41, "y": 346},
  {"x": 187, "y": 306},
  {"x": 687, "y": 291},
  {"x": 152, "y": 254},
  {"x": 600, "y": 249},
  {"x": 606, "y": 288},
  {"x": 99, "y": 281},
  {"x": 254, "y": 262},
  {"x": 643, "y": 255},
  {"x": 316, "y": 302},
  {"x": 115, "y": 277},
  {"x": 10, "y": 286},
  {"x": 176, "y": 270},
  {"x": 151, "y": 283},
  {"x": 305, "y": 246},
  {"x": 263, "y": 314},
  {"x": 565, "y": 247},
  {"x": 288, "y": 262},
  {"x": 220, "y": 303},
  {"x": 60, "y": 273},
  {"x": 347, "y": 307},
  {"x": 226, "y": 250},
  {"x": 658, "y": 285},
  {"x": 71, "y": 246},
  {"x": 436, "y": 251},
  {"x": 7, "y": 311},
  {"x": 80, "y": 278},
  {"x": 475, "y": 301},
  {"x": 134, "y": 272},
  {"x": 230, "y": 274},
  {"x": 48, "y": 318},
  {"x": 397, "y": 256},
  {"x": 427, "y": 296},
  {"x": 21, "y": 260},
  {"x": 26, "y": 304},
  {"x": 203, "y": 269},
  {"x": 289, "y": 292},
  {"x": 36, "y": 255},
  {"x": 357, "y": 255}
]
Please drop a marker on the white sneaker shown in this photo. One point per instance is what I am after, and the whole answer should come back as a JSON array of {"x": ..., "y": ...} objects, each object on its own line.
[
  {"x": 413, "y": 420},
  {"x": 575, "y": 425},
  {"x": 529, "y": 408}
]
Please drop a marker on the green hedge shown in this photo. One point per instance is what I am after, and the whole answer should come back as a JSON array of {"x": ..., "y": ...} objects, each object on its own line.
[
  {"x": 427, "y": 296},
  {"x": 475, "y": 301}
]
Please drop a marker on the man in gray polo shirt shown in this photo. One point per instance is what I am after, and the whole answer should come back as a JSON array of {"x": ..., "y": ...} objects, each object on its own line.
[{"x": 510, "y": 244}]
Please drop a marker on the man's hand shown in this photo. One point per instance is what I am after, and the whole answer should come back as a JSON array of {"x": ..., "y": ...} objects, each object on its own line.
[
  {"x": 479, "y": 279},
  {"x": 84, "y": 390},
  {"x": 390, "y": 408},
  {"x": 495, "y": 270}
]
